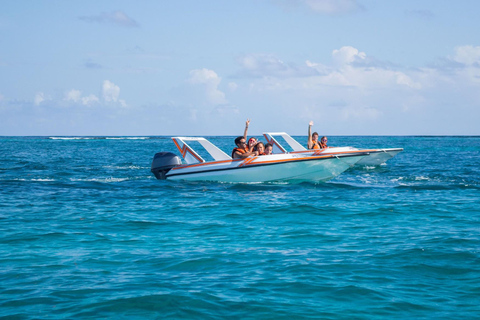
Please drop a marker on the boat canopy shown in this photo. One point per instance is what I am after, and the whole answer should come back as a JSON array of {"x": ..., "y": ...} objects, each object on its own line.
[
  {"x": 277, "y": 147},
  {"x": 191, "y": 157}
]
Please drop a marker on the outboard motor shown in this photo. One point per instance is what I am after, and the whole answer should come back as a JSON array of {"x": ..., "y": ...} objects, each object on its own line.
[{"x": 163, "y": 162}]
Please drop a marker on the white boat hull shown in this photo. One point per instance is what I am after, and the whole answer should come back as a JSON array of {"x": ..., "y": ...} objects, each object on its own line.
[{"x": 288, "y": 168}]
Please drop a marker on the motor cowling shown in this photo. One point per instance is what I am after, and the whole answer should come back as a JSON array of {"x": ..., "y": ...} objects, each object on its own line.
[{"x": 164, "y": 162}]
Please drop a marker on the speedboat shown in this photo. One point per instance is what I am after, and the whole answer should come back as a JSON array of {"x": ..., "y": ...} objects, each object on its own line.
[
  {"x": 284, "y": 167},
  {"x": 375, "y": 157}
]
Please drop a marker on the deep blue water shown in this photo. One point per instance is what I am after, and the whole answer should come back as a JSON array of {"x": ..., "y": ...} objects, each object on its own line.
[{"x": 86, "y": 231}]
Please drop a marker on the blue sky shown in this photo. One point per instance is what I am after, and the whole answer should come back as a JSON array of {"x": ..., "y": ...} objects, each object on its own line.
[{"x": 184, "y": 67}]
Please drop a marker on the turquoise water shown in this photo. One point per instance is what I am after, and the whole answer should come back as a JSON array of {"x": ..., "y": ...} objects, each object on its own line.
[{"x": 86, "y": 231}]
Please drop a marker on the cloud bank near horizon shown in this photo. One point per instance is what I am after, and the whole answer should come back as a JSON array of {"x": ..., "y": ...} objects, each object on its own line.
[{"x": 352, "y": 90}]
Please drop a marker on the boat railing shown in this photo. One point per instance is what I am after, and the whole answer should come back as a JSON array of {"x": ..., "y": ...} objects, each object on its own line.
[
  {"x": 277, "y": 146},
  {"x": 191, "y": 157}
]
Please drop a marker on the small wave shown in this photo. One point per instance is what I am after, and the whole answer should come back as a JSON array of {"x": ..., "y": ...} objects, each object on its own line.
[
  {"x": 35, "y": 179},
  {"x": 103, "y": 180},
  {"x": 99, "y": 138},
  {"x": 422, "y": 178},
  {"x": 411, "y": 179},
  {"x": 127, "y": 138},
  {"x": 71, "y": 138},
  {"x": 126, "y": 167}
]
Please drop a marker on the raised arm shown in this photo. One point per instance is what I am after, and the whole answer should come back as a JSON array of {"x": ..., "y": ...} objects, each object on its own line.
[
  {"x": 246, "y": 129},
  {"x": 310, "y": 142}
]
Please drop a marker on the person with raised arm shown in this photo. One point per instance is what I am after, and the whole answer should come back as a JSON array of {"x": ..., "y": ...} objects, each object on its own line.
[
  {"x": 252, "y": 141},
  {"x": 243, "y": 151},
  {"x": 313, "y": 142}
]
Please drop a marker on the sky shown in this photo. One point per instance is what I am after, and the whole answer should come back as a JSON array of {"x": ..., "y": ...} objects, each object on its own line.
[{"x": 189, "y": 67}]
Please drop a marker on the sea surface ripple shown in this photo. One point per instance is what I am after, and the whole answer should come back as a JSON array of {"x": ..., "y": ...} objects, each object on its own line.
[{"x": 86, "y": 232}]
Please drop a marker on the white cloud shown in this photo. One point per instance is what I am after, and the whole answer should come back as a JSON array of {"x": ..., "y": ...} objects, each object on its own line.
[
  {"x": 110, "y": 91},
  {"x": 351, "y": 67},
  {"x": 89, "y": 100},
  {"x": 468, "y": 55},
  {"x": 73, "y": 95},
  {"x": 39, "y": 98},
  {"x": 110, "y": 97},
  {"x": 210, "y": 80},
  {"x": 352, "y": 88},
  {"x": 116, "y": 17},
  {"x": 347, "y": 55}
]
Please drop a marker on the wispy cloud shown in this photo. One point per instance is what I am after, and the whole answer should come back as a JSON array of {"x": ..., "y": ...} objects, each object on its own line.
[
  {"x": 116, "y": 17},
  {"x": 89, "y": 64},
  {"x": 329, "y": 7},
  {"x": 264, "y": 65},
  {"x": 423, "y": 14}
]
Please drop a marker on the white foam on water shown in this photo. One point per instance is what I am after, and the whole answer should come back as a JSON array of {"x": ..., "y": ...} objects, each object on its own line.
[
  {"x": 70, "y": 138},
  {"x": 125, "y": 167},
  {"x": 422, "y": 178},
  {"x": 35, "y": 179},
  {"x": 127, "y": 138},
  {"x": 104, "y": 180}
]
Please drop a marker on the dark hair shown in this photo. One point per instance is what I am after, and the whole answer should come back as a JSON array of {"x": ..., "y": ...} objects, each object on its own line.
[
  {"x": 237, "y": 140},
  {"x": 268, "y": 145},
  {"x": 315, "y": 133},
  {"x": 260, "y": 142}
]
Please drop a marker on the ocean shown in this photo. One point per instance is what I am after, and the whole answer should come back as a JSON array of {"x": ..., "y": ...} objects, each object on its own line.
[{"x": 87, "y": 232}]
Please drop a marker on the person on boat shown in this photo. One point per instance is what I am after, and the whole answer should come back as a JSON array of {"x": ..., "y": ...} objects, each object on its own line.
[
  {"x": 268, "y": 149},
  {"x": 313, "y": 142},
  {"x": 252, "y": 143},
  {"x": 260, "y": 148},
  {"x": 323, "y": 142},
  {"x": 242, "y": 151}
]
